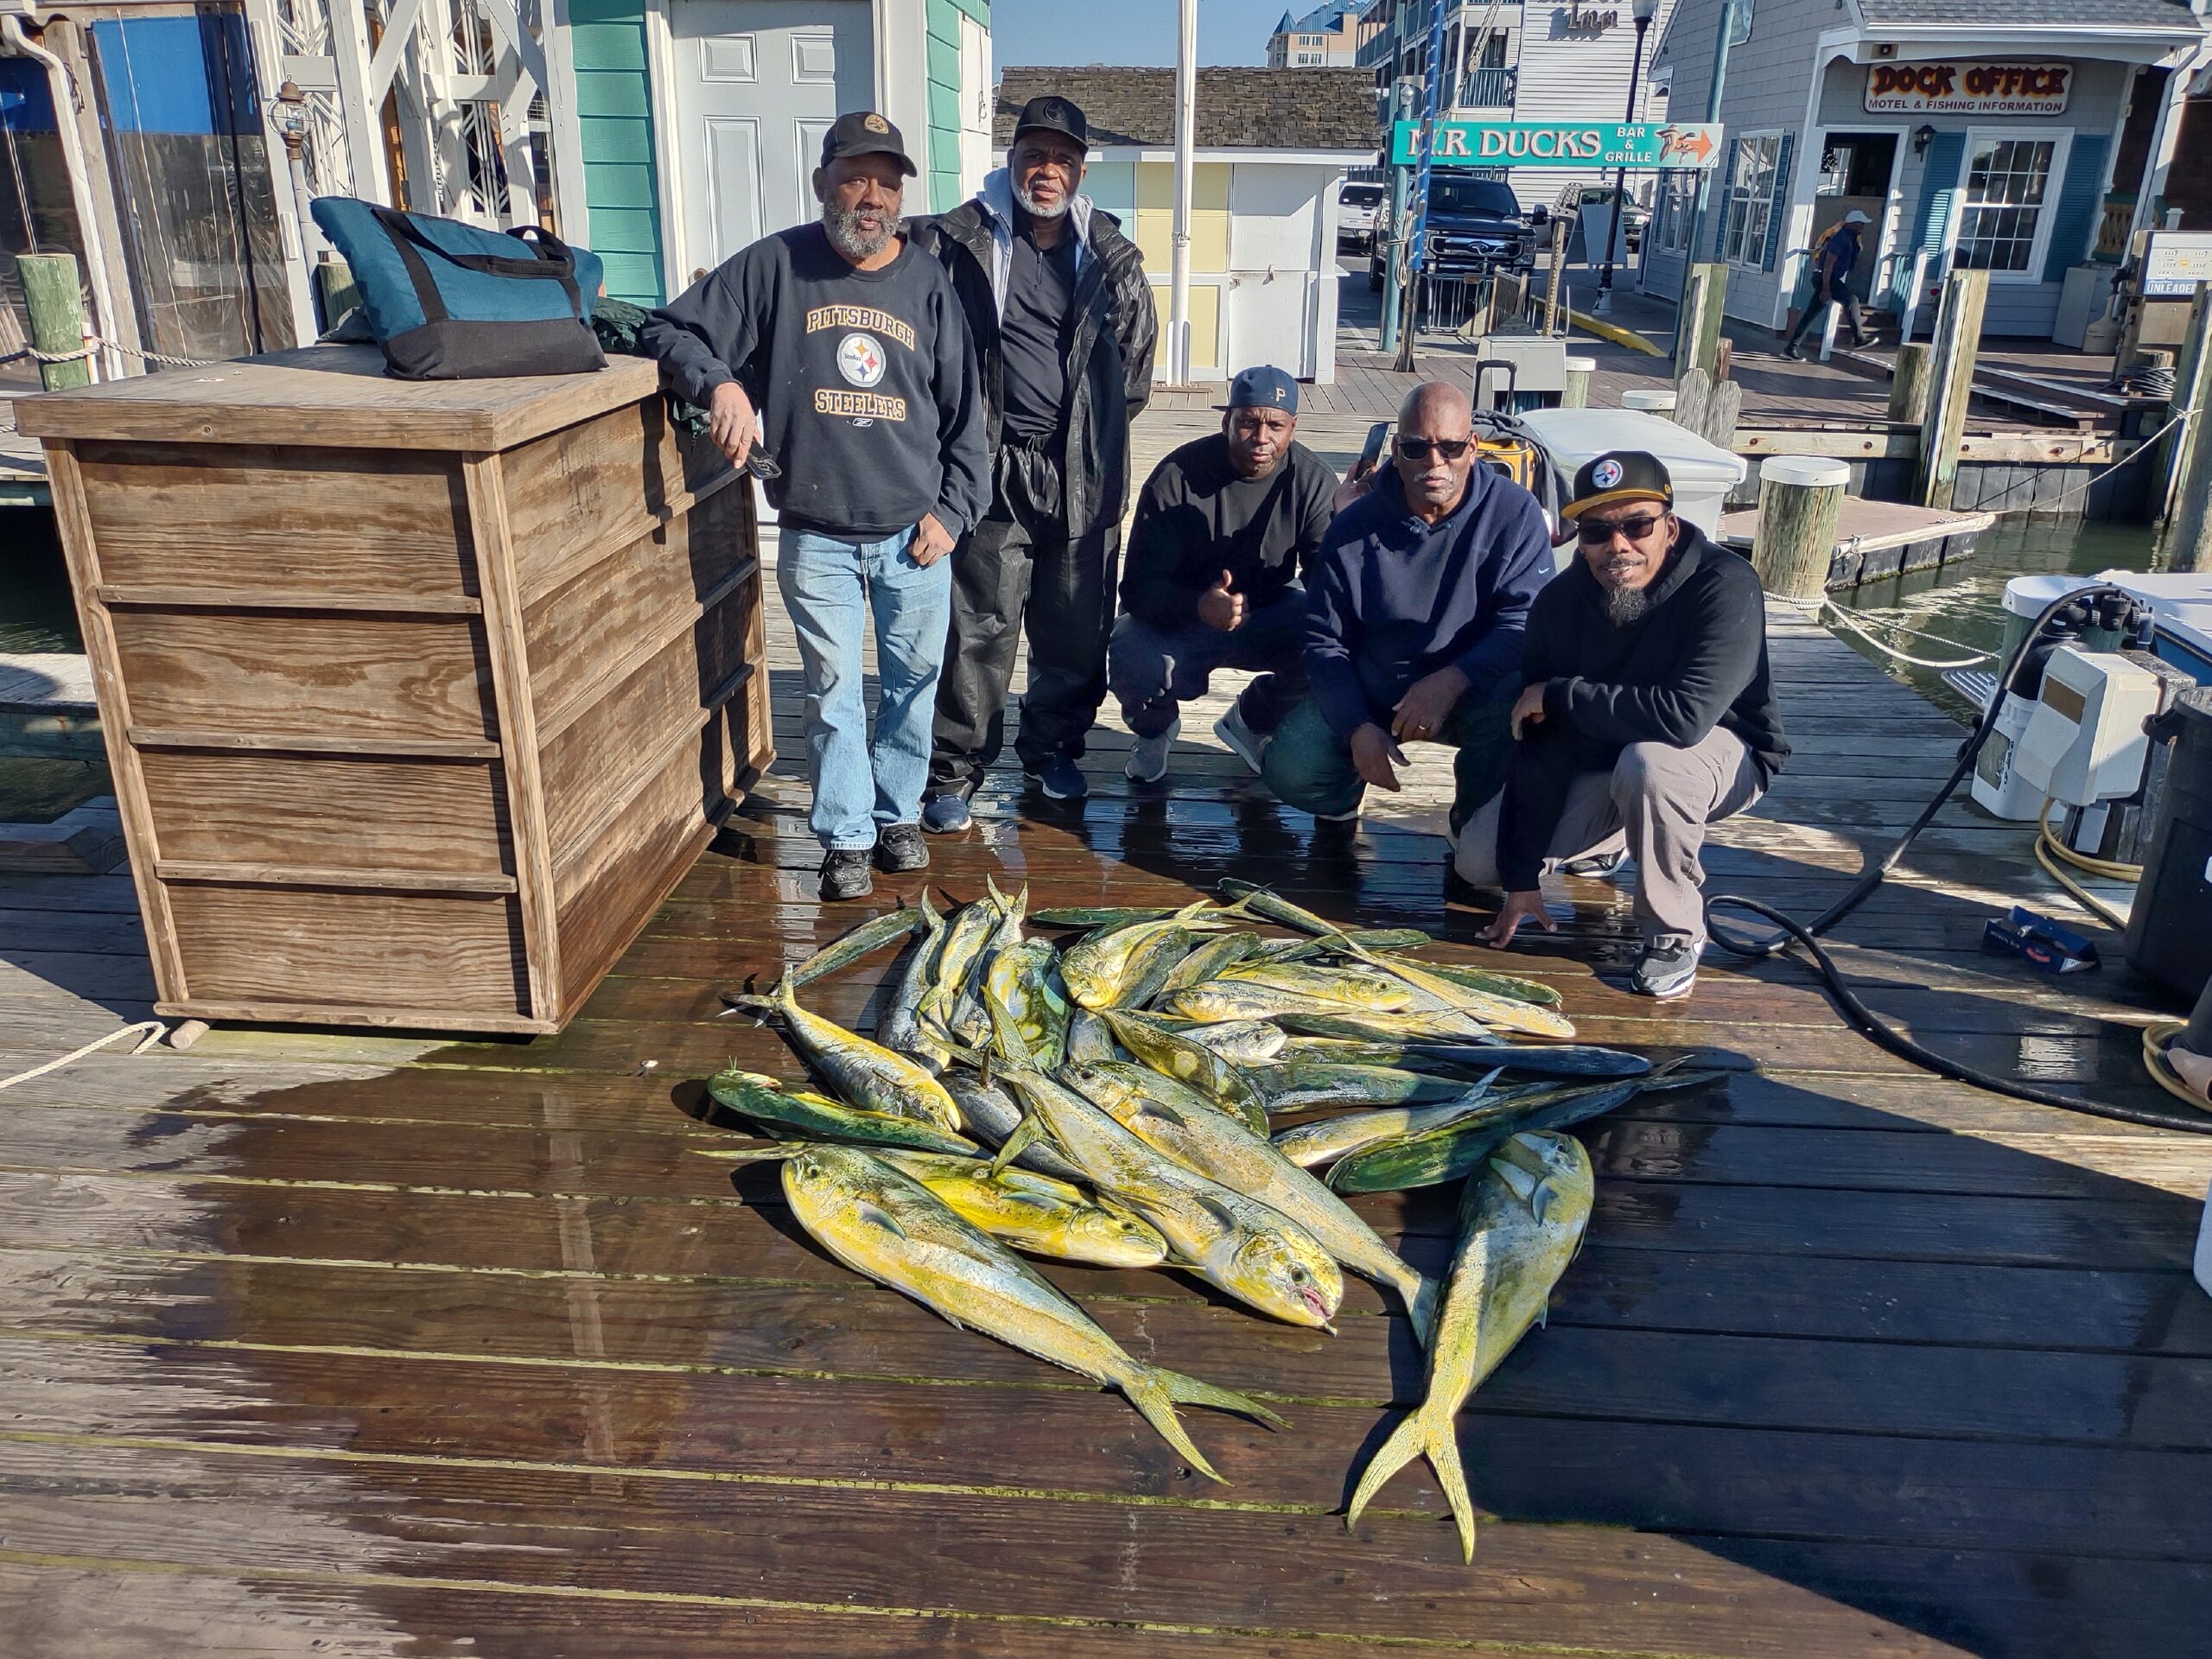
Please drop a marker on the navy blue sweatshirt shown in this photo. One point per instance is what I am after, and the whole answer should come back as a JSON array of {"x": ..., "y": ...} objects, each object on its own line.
[
  {"x": 1390, "y": 600},
  {"x": 865, "y": 381},
  {"x": 1694, "y": 660}
]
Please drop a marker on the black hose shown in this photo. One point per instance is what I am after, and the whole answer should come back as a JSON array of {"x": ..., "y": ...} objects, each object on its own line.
[{"x": 1862, "y": 1018}]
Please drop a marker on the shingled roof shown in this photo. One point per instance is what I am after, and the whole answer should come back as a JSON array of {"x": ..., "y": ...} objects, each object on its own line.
[{"x": 1238, "y": 109}]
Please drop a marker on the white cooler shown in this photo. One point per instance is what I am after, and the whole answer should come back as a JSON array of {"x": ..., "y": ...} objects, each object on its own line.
[{"x": 1703, "y": 473}]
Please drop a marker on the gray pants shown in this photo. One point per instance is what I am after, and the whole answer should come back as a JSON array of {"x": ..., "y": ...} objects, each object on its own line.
[{"x": 1656, "y": 801}]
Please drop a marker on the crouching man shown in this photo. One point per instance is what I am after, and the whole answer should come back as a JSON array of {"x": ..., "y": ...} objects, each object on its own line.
[
  {"x": 1224, "y": 527},
  {"x": 841, "y": 348},
  {"x": 1414, "y": 608},
  {"x": 1648, "y": 714}
]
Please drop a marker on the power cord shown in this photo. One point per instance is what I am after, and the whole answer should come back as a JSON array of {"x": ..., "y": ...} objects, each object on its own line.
[{"x": 1865, "y": 1019}]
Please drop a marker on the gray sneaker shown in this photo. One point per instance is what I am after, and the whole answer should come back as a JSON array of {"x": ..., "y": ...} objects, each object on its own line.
[
  {"x": 1597, "y": 866},
  {"x": 1248, "y": 744},
  {"x": 1667, "y": 970},
  {"x": 1148, "y": 757}
]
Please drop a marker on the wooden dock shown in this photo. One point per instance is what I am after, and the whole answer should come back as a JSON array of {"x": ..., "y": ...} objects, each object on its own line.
[{"x": 339, "y": 1344}]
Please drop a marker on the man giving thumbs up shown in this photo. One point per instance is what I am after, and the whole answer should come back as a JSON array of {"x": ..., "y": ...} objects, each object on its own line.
[{"x": 1224, "y": 527}]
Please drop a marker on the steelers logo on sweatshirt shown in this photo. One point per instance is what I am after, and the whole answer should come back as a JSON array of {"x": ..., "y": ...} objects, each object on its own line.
[{"x": 860, "y": 359}]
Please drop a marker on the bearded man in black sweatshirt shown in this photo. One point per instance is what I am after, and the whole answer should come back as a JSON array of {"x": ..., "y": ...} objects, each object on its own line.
[{"x": 1647, "y": 713}]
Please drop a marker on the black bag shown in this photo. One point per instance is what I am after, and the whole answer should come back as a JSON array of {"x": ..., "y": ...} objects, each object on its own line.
[{"x": 449, "y": 301}]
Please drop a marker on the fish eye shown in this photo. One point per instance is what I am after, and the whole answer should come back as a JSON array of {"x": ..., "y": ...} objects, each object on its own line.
[{"x": 1296, "y": 1275}]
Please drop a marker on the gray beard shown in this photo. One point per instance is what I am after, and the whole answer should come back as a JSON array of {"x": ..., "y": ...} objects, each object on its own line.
[
  {"x": 1626, "y": 605},
  {"x": 1058, "y": 209},
  {"x": 844, "y": 229}
]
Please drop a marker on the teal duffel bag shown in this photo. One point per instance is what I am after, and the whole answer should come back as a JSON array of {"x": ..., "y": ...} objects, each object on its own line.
[{"x": 449, "y": 301}]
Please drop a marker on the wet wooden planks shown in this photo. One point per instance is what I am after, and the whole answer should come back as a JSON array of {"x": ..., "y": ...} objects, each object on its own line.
[{"x": 354, "y": 1344}]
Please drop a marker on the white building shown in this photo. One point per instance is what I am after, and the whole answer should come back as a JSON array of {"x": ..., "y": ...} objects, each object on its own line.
[
  {"x": 1327, "y": 37},
  {"x": 1272, "y": 148},
  {"x": 1523, "y": 60}
]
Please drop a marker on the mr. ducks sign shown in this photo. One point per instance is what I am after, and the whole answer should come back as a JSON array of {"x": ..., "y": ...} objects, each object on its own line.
[{"x": 1967, "y": 88}]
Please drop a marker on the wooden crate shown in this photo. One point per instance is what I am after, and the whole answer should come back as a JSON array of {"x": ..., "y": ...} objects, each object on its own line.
[{"x": 419, "y": 697}]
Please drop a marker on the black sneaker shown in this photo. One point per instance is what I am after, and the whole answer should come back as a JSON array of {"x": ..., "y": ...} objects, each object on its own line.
[
  {"x": 899, "y": 848},
  {"x": 946, "y": 815},
  {"x": 845, "y": 874},
  {"x": 1061, "y": 779},
  {"x": 1597, "y": 866},
  {"x": 1667, "y": 970}
]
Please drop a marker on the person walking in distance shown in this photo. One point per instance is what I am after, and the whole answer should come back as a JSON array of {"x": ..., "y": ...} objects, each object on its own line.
[
  {"x": 839, "y": 349},
  {"x": 1062, "y": 319},
  {"x": 1224, "y": 527},
  {"x": 1834, "y": 260}
]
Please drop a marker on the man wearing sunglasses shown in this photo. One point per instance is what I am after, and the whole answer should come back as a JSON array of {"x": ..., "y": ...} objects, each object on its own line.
[
  {"x": 1414, "y": 608},
  {"x": 1647, "y": 713}
]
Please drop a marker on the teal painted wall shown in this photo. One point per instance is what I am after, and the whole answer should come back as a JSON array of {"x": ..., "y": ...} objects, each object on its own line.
[
  {"x": 944, "y": 23},
  {"x": 607, "y": 38}
]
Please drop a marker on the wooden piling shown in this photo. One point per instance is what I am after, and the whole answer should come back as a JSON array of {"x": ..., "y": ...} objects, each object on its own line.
[
  {"x": 1557, "y": 274},
  {"x": 2190, "y": 380},
  {"x": 56, "y": 305},
  {"x": 1950, "y": 381},
  {"x": 1577, "y": 393},
  {"x": 1794, "y": 541},
  {"x": 1697, "y": 321},
  {"x": 1909, "y": 383}
]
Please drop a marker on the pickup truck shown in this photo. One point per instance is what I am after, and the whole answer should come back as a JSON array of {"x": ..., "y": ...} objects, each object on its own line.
[{"x": 1475, "y": 226}]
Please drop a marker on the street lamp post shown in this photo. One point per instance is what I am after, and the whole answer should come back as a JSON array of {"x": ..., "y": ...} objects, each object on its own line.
[{"x": 1644, "y": 10}]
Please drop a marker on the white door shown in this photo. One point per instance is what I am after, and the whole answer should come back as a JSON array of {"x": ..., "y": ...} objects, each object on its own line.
[
  {"x": 758, "y": 83},
  {"x": 1275, "y": 220}
]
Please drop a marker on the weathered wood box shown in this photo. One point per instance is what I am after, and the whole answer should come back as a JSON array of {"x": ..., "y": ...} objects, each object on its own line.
[{"x": 419, "y": 696}]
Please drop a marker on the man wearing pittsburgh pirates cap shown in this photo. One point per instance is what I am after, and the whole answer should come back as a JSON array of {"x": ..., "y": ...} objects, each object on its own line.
[{"x": 1647, "y": 713}]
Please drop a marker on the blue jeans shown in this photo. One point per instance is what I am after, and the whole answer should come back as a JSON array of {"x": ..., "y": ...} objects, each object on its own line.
[
  {"x": 1152, "y": 670},
  {"x": 830, "y": 586}
]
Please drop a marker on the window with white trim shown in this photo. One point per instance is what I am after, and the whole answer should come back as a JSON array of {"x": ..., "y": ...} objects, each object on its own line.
[
  {"x": 1751, "y": 199},
  {"x": 2009, "y": 184},
  {"x": 1671, "y": 212}
]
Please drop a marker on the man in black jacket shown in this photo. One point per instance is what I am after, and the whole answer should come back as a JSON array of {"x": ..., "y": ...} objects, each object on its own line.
[
  {"x": 1647, "y": 713},
  {"x": 1224, "y": 527},
  {"x": 1063, "y": 326}
]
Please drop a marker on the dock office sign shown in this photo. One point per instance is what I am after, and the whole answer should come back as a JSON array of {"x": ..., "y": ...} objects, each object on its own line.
[
  {"x": 1561, "y": 143},
  {"x": 1950, "y": 87}
]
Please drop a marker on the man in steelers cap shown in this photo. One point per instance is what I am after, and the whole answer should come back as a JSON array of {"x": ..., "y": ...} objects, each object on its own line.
[
  {"x": 1062, "y": 319},
  {"x": 1224, "y": 529},
  {"x": 1647, "y": 713},
  {"x": 834, "y": 357}
]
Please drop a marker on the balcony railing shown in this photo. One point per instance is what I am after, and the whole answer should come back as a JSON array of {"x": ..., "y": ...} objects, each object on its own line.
[{"x": 1488, "y": 89}]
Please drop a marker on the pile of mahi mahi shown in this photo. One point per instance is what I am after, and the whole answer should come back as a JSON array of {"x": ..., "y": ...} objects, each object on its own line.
[{"x": 1108, "y": 1102}]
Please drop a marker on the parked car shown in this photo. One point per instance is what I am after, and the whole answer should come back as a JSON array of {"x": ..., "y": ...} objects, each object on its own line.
[
  {"x": 1475, "y": 226},
  {"x": 1633, "y": 219},
  {"x": 1358, "y": 206}
]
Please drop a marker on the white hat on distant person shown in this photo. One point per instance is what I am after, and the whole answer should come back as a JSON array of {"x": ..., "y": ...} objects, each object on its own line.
[{"x": 1855, "y": 217}]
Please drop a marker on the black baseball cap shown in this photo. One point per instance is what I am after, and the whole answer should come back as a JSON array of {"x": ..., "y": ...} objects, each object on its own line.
[
  {"x": 1620, "y": 475},
  {"x": 1053, "y": 114},
  {"x": 865, "y": 133},
  {"x": 1264, "y": 387}
]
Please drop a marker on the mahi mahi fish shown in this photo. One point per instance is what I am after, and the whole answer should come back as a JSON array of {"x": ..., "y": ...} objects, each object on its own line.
[
  {"x": 883, "y": 1223},
  {"x": 1222, "y": 1149},
  {"x": 1521, "y": 1224},
  {"x": 1033, "y": 1212},
  {"x": 865, "y": 1073}
]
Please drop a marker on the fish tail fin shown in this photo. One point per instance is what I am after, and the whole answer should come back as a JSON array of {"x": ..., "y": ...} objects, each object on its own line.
[
  {"x": 1426, "y": 1434},
  {"x": 1420, "y": 1292},
  {"x": 1150, "y": 1392},
  {"x": 1194, "y": 1391}
]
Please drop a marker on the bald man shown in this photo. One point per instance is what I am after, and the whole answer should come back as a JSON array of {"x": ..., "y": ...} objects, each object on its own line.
[{"x": 1416, "y": 605}]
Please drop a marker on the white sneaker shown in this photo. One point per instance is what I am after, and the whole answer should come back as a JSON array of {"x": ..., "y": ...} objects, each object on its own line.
[
  {"x": 1148, "y": 758},
  {"x": 1249, "y": 745}
]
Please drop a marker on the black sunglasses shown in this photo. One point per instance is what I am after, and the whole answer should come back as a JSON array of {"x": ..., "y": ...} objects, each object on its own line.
[
  {"x": 1597, "y": 533},
  {"x": 1449, "y": 448}
]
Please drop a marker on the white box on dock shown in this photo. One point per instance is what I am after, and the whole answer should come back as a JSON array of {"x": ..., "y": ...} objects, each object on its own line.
[{"x": 1703, "y": 473}]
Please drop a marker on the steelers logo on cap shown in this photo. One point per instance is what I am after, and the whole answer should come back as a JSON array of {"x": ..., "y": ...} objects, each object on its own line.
[
  {"x": 1606, "y": 474},
  {"x": 860, "y": 359},
  {"x": 875, "y": 124}
]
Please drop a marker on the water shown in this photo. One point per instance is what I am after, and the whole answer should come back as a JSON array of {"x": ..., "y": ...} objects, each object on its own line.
[
  {"x": 36, "y": 612},
  {"x": 1963, "y": 603}
]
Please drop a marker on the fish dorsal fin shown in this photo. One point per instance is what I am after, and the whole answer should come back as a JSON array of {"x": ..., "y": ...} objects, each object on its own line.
[{"x": 875, "y": 1215}]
